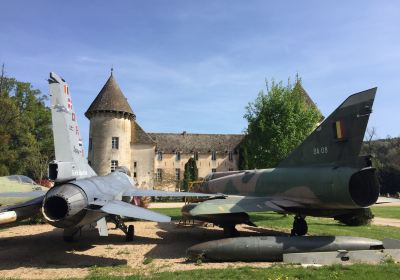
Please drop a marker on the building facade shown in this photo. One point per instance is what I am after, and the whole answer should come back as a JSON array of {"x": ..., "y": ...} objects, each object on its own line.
[{"x": 155, "y": 160}]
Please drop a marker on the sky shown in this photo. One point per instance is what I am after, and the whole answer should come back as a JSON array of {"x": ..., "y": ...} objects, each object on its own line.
[{"x": 194, "y": 65}]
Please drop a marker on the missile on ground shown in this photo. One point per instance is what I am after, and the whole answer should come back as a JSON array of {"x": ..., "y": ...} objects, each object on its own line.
[{"x": 272, "y": 248}]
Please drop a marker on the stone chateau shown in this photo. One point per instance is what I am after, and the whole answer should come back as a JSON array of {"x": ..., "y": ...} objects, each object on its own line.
[{"x": 155, "y": 160}]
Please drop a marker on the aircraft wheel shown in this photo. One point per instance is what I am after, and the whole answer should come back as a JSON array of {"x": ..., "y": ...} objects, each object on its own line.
[
  {"x": 300, "y": 227},
  {"x": 130, "y": 234}
]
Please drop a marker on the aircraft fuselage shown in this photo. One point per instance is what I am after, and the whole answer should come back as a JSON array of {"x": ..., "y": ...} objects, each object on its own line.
[{"x": 313, "y": 187}]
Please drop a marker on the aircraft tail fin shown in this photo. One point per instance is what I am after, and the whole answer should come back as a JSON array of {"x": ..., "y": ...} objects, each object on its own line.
[
  {"x": 338, "y": 139},
  {"x": 70, "y": 158}
]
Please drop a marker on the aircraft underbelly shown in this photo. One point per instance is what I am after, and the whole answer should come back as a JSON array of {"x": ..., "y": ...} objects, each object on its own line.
[{"x": 91, "y": 217}]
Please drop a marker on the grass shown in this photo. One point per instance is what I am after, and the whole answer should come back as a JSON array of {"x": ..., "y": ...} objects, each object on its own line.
[
  {"x": 147, "y": 260},
  {"x": 316, "y": 226},
  {"x": 174, "y": 213},
  {"x": 392, "y": 212},
  {"x": 325, "y": 226},
  {"x": 373, "y": 272},
  {"x": 124, "y": 251}
]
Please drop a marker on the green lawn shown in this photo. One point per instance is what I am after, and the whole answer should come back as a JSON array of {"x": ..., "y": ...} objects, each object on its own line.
[
  {"x": 316, "y": 226},
  {"x": 386, "y": 211},
  {"x": 357, "y": 271}
]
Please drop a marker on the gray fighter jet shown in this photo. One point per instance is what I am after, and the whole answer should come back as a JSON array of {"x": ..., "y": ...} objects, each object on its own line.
[{"x": 80, "y": 197}]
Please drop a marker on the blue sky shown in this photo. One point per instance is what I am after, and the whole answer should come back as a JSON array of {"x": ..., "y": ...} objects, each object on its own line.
[{"x": 195, "y": 65}]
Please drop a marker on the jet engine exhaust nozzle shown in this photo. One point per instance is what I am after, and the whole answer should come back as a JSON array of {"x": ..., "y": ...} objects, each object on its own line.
[
  {"x": 64, "y": 205},
  {"x": 364, "y": 187}
]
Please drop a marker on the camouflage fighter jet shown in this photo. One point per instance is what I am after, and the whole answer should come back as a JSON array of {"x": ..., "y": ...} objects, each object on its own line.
[
  {"x": 79, "y": 197},
  {"x": 324, "y": 177},
  {"x": 19, "y": 198}
]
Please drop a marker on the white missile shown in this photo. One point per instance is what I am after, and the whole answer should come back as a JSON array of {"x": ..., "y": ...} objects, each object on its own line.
[{"x": 8, "y": 217}]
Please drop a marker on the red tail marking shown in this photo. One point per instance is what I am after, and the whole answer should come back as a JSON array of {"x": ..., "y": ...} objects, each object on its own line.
[
  {"x": 66, "y": 91},
  {"x": 69, "y": 104}
]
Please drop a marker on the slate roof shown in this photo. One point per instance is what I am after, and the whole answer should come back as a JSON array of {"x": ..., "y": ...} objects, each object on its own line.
[
  {"x": 191, "y": 142},
  {"x": 110, "y": 99},
  {"x": 139, "y": 136}
]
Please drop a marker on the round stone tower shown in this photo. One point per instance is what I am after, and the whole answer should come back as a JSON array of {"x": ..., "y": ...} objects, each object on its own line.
[{"x": 111, "y": 120}]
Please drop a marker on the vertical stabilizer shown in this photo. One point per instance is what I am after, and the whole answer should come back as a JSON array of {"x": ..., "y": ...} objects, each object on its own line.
[
  {"x": 70, "y": 158},
  {"x": 338, "y": 140}
]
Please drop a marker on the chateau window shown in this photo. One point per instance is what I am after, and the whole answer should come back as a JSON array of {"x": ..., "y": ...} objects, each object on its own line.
[
  {"x": 114, "y": 165},
  {"x": 213, "y": 155},
  {"x": 159, "y": 155},
  {"x": 90, "y": 144},
  {"x": 178, "y": 155},
  {"x": 134, "y": 164},
  {"x": 134, "y": 174},
  {"x": 196, "y": 155},
  {"x": 159, "y": 175},
  {"x": 115, "y": 143},
  {"x": 230, "y": 156},
  {"x": 213, "y": 170},
  {"x": 177, "y": 174}
]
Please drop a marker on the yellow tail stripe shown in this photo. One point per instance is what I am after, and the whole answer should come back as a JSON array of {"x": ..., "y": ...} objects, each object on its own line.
[{"x": 338, "y": 130}]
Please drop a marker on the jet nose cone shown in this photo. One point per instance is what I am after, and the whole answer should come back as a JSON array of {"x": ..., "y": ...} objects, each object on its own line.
[{"x": 197, "y": 252}]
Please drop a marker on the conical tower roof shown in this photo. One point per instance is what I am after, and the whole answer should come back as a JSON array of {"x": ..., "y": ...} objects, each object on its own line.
[
  {"x": 309, "y": 101},
  {"x": 110, "y": 99}
]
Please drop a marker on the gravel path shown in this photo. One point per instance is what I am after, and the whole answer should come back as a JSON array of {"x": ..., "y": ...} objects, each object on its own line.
[
  {"x": 38, "y": 251},
  {"x": 386, "y": 222},
  {"x": 166, "y": 205},
  {"x": 386, "y": 201}
]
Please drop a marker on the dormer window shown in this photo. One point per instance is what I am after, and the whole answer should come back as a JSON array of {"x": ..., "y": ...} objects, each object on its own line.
[
  {"x": 177, "y": 155},
  {"x": 159, "y": 155}
]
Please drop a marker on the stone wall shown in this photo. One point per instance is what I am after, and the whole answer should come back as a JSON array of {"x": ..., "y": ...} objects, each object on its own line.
[
  {"x": 142, "y": 164},
  {"x": 205, "y": 164},
  {"x": 104, "y": 126}
]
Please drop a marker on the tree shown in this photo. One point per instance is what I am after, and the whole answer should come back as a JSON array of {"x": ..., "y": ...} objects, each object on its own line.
[
  {"x": 386, "y": 159},
  {"x": 26, "y": 138},
  {"x": 278, "y": 121},
  {"x": 191, "y": 173}
]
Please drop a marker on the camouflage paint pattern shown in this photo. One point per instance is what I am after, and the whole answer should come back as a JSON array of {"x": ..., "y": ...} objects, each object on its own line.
[
  {"x": 17, "y": 183},
  {"x": 324, "y": 173}
]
